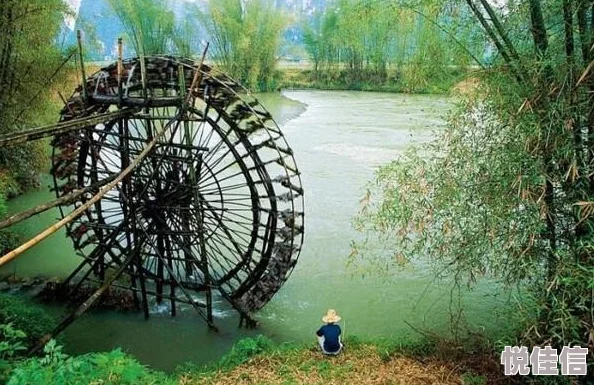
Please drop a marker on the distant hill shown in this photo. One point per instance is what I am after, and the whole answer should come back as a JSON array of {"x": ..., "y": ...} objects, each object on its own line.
[{"x": 103, "y": 28}]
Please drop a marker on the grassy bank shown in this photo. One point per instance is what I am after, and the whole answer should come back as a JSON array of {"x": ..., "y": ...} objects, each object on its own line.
[
  {"x": 379, "y": 362},
  {"x": 251, "y": 361},
  {"x": 397, "y": 81},
  {"x": 259, "y": 361},
  {"x": 434, "y": 359}
]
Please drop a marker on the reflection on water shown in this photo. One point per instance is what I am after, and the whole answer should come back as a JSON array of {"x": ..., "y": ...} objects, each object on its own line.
[{"x": 339, "y": 139}]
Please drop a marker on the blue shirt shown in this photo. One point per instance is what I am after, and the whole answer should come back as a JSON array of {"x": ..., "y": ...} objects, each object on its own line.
[{"x": 330, "y": 332}]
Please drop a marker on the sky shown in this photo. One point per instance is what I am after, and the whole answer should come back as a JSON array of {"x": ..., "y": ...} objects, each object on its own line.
[{"x": 74, "y": 6}]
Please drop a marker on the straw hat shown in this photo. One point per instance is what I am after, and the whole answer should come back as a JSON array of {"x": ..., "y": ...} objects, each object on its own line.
[{"x": 331, "y": 316}]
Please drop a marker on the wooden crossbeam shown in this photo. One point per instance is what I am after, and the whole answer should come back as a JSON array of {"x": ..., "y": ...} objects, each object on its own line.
[
  {"x": 65, "y": 200},
  {"x": 62, "y": 127}
]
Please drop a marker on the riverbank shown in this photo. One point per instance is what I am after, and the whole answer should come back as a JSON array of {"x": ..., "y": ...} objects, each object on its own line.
[
  {"x": 360, "y": 363},
  {"x": 433, "y": 359},
  {"x": 258, "y": 361},
  {"x": 393, "y": 81}
]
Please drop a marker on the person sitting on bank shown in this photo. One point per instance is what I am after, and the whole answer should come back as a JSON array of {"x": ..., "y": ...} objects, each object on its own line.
[{"x": 329, "y": 334}]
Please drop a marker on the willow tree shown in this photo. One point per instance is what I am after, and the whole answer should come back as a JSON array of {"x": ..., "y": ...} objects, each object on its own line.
[
  {"x": 507, "y": 190},
  {"x": 246, "y": 39}
]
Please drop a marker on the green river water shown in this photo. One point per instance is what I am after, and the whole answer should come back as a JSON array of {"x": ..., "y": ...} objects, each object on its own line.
[{"x": 339, "y": 139}]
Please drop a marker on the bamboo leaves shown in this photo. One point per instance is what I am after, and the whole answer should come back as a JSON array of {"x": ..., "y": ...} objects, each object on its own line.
[
  {"x": 153, "y": 28},
  {"x": 29, "y": 63},
  {"x": 148, "y": 23},
  {"x": 508, "y": 189},
  {"x": 246, "y": 37},
  {"x": 363, "y": 41}
]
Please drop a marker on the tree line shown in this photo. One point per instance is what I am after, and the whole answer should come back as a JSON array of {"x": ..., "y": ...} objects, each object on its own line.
[
  {"x": 385, "y": 41},
  {"x": 349, "y": 43},
  {"x": 245, "y": 35}
]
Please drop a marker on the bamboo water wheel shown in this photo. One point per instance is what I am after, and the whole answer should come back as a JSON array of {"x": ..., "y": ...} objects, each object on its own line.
[{"x": 176, "y": 184}]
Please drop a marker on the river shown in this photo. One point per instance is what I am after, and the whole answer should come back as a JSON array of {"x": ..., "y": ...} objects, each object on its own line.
[{"x": 339, "y": 139}]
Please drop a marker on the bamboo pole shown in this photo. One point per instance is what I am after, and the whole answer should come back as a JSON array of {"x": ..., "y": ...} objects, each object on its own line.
[
  {"x": 451, "y": 36},
  {"x": 84, "y": 306},
  {"x": 66, "y": 199},
  {"x": 197, "y": 76},
  {"x": 82, "y": 64},
  {"x": 120, "y": 70},
  {"x": 61, "y": 128},
  {"x": 495, "y": 39},
  {"x": 499, "y": 27},
  {"x": 197, "y": 201}
]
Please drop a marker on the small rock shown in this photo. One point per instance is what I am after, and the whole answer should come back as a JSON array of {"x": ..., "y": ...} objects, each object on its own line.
[{"x": 36, "y": 290}]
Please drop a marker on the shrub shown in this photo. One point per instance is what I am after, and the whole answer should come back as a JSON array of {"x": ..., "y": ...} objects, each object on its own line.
[
  {"x": 245, "y": 349},
  {"x": 8, "y": 241},
  {"x": 11, "y": 345},
  {"x": 32, "y": 320},
  {"x": 111, "y": 368}
]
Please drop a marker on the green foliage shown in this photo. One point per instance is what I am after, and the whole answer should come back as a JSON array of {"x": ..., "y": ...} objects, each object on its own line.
[
  {"x": 29, "y": 63},
  {"x": 242, "y": 351},
  {"x": 246, "y": 39},
  {"x": 53, "y": 354},
  {"x": 153, "y": 29},
  {"x": 369, "y": 81},
  {"x": 11, "y": 346},
  {"x": 32, "y": 320},
  {"x": 473, "y": 379},
  {"x": 8, "y": 240},
  {"x": 363, "y": 41},
  {"x": 506, "y": 190},
  {"x": 148, "y": 23},
  {"x": 453, "y": 201},
  {"x": 245, "y": 349},
  {"x": 113, "y": 368},
  {"x": 11, "y": 341},
  {"x": 406, "y": 345},
  {"x": 185, "y": 40}
]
